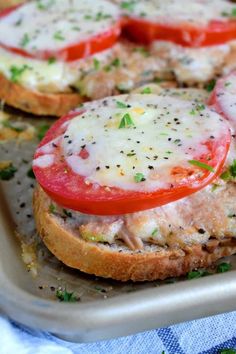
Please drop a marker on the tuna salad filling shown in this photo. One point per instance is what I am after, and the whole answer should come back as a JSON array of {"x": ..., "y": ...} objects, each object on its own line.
[
  {"x": 206, "y": 216},
  {"x": 120, "y": 69}
]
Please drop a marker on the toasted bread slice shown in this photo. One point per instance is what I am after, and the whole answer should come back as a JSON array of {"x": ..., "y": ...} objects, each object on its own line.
[
  {"x": 27, "y": 100},
  {"x": 117, "y": 261},
  {"x": 8, "y": 3}
]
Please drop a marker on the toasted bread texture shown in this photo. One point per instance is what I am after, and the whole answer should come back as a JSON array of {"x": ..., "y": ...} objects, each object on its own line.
[
  {"x": 8, "y": 3},
  {"x": 55, "y": 104},
  {"x": 117, "y": 261}
]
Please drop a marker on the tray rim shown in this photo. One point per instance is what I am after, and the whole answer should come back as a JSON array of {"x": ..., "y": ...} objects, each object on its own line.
[{"x": 120, "y": 315}]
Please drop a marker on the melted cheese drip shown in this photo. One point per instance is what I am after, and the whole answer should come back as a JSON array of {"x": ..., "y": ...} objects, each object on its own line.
[
  {"x": 38, "y": 74},
  {"x": 54, "y": 24},
  {"x": 165, "y": 132},
  {"x": 227, "y": 98},
  {"x": 198, "y": 12}
]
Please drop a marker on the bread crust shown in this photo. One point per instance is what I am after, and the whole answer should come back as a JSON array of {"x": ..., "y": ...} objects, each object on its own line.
[
  {"x": 8, "y": 3},
  {"x": 106, "y": 262},
  {"x": 35, "y": 102}
]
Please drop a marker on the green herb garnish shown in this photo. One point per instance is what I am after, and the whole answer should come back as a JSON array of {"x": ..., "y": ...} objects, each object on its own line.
[
  {"x": 42, "y": 130},
  {"x": 227, "y": 351},
  {"x": 67, "y": 213},
  {"x": 142, "y": 50},
  {"x": 210, "y": 86},
  {"x": 7, "y": 173},
  {"x": 230, "y": 173},
  {"x": 51, "y": 60},
  {"x": 116, "y": 62},
  {"x": 195, "y": 274},
  {"x": 96, "y": 64},
  {"x": 16, "y": 72},
  {"x": 154, "y": 232},
  {"x": 120, "y": 104},
  {"x": 25, "y": 40},
  {"x": 52, "y": 208},
  {"x": 65, "y": 296},
  {"x": 139, "y": 177},
  {"x": 8, "y": 124},
  {"x": 44, "y": 6},
  {"x": 128, "y": 5},
  {"x": 201, "y": 165},
  {"x": 223, "y": 267},
  {"x": 126, "y": 121},
  {"x": 30, "y": 173},
  {"x": 58, "y": 36},
  {"x": 101, "y": 16},
  {"x": 146, "y": 90}
]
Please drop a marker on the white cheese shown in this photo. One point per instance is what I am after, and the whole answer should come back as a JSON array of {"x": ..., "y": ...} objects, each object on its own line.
[
  {"x": 158, "y": 134},
  {"x": 170, "y": 12},
  {"x": 37, "y": 74},
  {"x": 49, "y": 25},
  {"x": 192, "y": 64},
  {"x": 44, "y": 161}
]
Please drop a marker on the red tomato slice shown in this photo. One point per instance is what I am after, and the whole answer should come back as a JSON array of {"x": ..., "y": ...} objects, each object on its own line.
[
  {"x": 145, "y": 32},
  {"x": 79, "y": 50},
  {"x": 69, "y": 189},
  {"x": 223, "y": 98}
]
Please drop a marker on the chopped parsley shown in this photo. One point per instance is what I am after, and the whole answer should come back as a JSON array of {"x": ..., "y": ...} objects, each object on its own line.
[
  {"x": 30, "y": 173},
  {"x": 96, "y": 64},
  {"x": 42, "y": 130},
  {"x": 51, "y": 60},
  {"x": 43, "y": 5},
  {"x": 16, "y": 72},
  {"x": 67, "y": 213},
  {"x": 25, "y": 40},
  {"x": 230, "y": 173},
  {"x": 128, "y": 5},
  {"x": 120, "y": 104},
  {"x": 58, "y": 36},
  {"x": 142, "y": 50},
  {"x": 210, "y": 86},
  {"x": 52, "y": 208},
  {"x": 101, "y": 16},
  {"x": 139, "y": 177},
  {"x": 146, "y": 90},
  {"x": 126, "y": 121},
  {"x": 227, "y": 351},
  {"x": 116, "y": 62},
  {"x": 8, "y": 124},
  {"x": 65, "y": 296},
  {"x": 229, "y": 14},
  {"x": 154, "y": 232},
  {"x": 223, "y": 267},
  {"x": 7, "y": 173},
  {"x": 195, "y": 274},
  {"x": 201, "y": 165}
]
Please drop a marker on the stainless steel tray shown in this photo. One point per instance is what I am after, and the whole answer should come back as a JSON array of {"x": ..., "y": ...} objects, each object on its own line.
[{"x": 30, "y": 276}]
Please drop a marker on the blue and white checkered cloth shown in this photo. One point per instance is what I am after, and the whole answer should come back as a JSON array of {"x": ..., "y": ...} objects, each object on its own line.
[{"x": 205, "y": 336}]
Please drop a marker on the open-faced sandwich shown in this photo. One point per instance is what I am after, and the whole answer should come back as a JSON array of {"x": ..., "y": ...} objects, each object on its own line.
[
  {"x": 57, "y": 54},
  {"x": 141, "y": 186}
]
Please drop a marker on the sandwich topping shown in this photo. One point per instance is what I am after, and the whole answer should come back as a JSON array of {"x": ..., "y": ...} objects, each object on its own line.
[
  {"x": 68, "y": 30},
  {"x": 131, "y": 152},
  {"x": 190, "y": 23}
]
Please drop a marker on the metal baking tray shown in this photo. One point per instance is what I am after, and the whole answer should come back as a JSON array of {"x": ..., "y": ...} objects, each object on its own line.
[{"x": 30, "y": 276}]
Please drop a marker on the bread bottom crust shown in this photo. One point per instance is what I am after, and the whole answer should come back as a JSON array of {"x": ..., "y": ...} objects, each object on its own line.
[
  {"x": 105, "y": 261},
  {"x": 56, "y": 104}
]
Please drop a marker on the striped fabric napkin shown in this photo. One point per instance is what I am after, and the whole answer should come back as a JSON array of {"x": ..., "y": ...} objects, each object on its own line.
[{"x": 212, "y": 335}]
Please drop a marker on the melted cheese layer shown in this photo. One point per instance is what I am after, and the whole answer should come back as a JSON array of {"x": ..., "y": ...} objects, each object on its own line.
[
  {"x": 37, "y": 74},
  {"x": 137, "y": 138},
  {"x": 197, "y": 12},
  {"x": 53, "y": 24}
]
